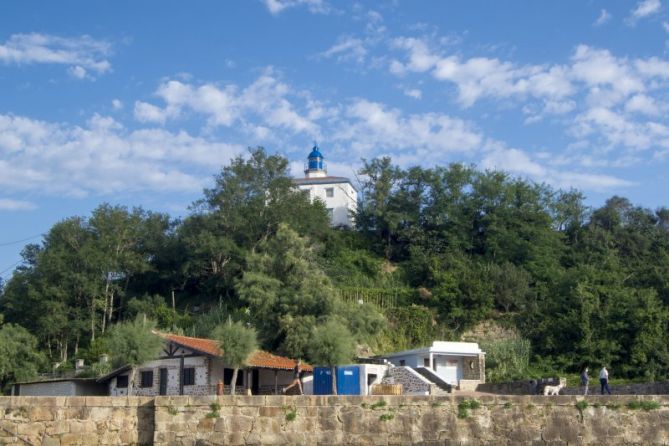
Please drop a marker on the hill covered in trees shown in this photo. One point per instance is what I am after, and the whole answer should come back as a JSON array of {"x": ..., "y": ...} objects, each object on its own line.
[{"x": 436, "y": 251}]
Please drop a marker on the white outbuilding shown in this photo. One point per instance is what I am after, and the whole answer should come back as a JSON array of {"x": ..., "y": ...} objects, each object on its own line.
[
  {"x": 338, "y": 193},
  {"x": 461, "y": 364}
]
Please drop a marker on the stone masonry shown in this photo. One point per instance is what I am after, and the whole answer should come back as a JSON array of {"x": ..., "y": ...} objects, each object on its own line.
[
  {"x": 412, "y": 382},
  {"x": 333, "y": 420}
]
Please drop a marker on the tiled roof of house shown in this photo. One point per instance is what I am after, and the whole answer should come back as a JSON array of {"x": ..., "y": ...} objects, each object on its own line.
[
  {"x": 260, "y": 358},
  {"x": 207, "y": 346}
]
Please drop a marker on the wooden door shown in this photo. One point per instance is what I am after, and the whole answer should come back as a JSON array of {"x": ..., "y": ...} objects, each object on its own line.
[{"x": 163, "y": 381}]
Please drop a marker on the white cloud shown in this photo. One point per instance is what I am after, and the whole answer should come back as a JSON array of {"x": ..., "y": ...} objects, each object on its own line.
[
  {"x": 78, "y": 71},
  {"x": 7, "y": 204},
  {"x": 480, "y": 77},
  {"x": 346, "y": 49},
  {"x": 371, "y": 126},
  {"x": 117, "y": 104},
  {"x": 103, "y": 157},
  {"x": 644, "y": 9},
  {"x": 641, "y": 103},
  {"x": 520, "y": 163},
  {"x": 267, "y": 100},
  {"x": 145, "y": 112},
  {"x": 615, "y": 129},
  {"x": 414, "y": 93},
  {"x": 80, "y": 54},
  {"x": 315, "y": 6},
  {"x": 603, "y": 18}
]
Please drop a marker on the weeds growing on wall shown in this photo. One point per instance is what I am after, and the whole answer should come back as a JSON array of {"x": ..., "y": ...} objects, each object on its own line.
[
  {"x": 643, "y": 405},
  {"x": 215, "y": 410},
  {"x": 465, "y": 405}
]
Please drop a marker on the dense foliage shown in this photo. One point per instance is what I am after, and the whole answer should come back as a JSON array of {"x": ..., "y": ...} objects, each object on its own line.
[{"x": 435, "y": 252}]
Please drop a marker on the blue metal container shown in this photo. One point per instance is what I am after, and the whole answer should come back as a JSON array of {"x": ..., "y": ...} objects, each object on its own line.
[
  {"x": 348, "y": 380},
  {"x": 322, "y": 381}
]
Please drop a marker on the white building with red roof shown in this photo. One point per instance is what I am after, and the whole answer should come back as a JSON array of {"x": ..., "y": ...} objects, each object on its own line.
[
  {"x": 338, "y": 193},
  {"x": 195, "y": 366}
]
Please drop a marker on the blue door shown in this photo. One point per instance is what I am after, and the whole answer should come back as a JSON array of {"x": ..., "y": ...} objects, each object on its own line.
[
  {"x": 348, "y": 380},
  {"x": 322, "y": 381}
]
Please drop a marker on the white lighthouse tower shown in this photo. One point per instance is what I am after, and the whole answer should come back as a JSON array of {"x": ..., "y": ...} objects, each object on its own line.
[{"x": 338, "y": 193}]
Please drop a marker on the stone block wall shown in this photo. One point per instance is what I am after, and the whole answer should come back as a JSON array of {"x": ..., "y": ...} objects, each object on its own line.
[
  {"x": 64, "y": 421},
  {"x": 412, "y": 382},
  {"x": 408, "y": 420},
  {"x": 333, "y": 420}
]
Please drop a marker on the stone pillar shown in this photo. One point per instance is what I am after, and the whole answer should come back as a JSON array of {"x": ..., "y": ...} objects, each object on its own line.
[{"x": 482, "y": 367}]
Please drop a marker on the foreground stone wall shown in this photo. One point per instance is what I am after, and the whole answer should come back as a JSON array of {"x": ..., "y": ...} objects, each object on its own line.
[
  {"x": 90, "y": 420},
  {"x": 330, "y": 420},
  {"x": 400, "y": 420}
]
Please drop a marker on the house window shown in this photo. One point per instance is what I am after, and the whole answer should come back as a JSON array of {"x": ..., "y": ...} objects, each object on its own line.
[
  {"x": 402, "y": 363},
  {"x": 227, "y": 377},
  {"x": 146, "y": 379},
  {"x": 189, "y": 376},
  {"x": 329, "y": 192},
  {"x": 122, "y": 381},
  {"x": 426, "y": 362}
]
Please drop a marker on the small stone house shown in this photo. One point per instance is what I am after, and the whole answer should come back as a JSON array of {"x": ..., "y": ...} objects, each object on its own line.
[
  {"x": 194, "y": 366},
  {"x": 461, "y": 364}
]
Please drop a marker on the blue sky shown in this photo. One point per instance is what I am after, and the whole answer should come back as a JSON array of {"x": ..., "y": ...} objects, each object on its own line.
[{"x": 140, "y": 103}]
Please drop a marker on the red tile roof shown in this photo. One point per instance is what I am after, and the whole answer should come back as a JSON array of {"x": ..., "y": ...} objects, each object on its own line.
[
  {"x": 207, "y": 346},
  {"x": 259, "y": 359}
]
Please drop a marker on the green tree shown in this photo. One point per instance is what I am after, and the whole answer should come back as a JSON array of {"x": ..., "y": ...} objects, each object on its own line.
[
  {"x": 330, "y": 344},
  {"x": 133, "y": 343},
  {"x": 238, "y": 343},
  {"x": 19, "y": 358},
  {"x": 286, "y": 292}
]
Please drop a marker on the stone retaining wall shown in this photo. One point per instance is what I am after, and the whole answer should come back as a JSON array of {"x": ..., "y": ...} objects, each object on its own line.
[
  {"x": 330, "y": 420},
  {"x": 90, "y": 420}
]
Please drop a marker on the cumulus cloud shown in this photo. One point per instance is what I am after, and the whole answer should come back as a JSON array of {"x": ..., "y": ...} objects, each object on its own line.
[
  {"x": 7, "y": 204},
  {"x": 103, "y": 157},
  {"x": 481, "y": 77},
  {"x": 414, "y": 93},
  {"x": 369, "y": 126},
  {"x": 346, "y": 49},
  {"x": 81, "y": 54},
  {"x": 521, "y": 163},
  {"x": 644, "y": 8},
  {"x": 315, "y": 6},
  {"x": 267, "y": 100},
  {"x": 603, "y": 18}
]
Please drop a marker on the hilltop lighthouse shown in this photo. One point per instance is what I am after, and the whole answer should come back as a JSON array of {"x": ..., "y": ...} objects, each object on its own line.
[{"x": 338, "y": 193}]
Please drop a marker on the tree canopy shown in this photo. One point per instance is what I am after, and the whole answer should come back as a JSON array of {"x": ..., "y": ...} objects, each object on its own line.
[{"x": 435, "y": 251}]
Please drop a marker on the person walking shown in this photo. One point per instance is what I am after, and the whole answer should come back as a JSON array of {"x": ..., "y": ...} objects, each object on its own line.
[
  {"x": 585, "y": 380},
  {"x": 604, "y": 380},
  {"x": 297, "y": 371}
]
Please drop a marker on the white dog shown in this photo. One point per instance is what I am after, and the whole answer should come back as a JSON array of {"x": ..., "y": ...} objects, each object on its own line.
[{"x": 555, "y": 390}]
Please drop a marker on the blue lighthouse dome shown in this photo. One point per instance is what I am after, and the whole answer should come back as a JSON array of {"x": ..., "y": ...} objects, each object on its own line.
[
  {"x": 315, "y": 160},
  {"x": 315, "y": 153}
]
